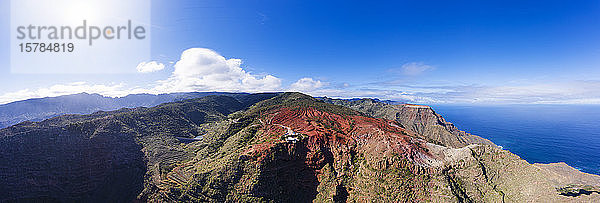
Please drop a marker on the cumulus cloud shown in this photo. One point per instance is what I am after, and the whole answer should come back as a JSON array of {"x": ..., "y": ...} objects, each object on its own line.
[
  {"x": 415, "y": 68},
  {"x": 198, "y": 69},
  {"x": 148, "y": 67},
  {"x": 306, "y": 85},
  {"x": 202, "y": 69}
]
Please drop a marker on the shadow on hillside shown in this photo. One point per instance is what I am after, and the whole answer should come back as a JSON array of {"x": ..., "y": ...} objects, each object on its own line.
[
  {"x": 66, "y": 167},
  {"x": 287, "y": 177}
]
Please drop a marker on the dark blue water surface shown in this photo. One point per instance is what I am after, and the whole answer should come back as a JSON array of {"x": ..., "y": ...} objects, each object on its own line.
[{"x": 537, "y": 133}]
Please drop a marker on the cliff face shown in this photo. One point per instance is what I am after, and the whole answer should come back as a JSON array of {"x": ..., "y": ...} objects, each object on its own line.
[
  {"x": 420, "y": 119},
  {"x": 288, "y": 148},
  {"x": 510, "y": 177}
]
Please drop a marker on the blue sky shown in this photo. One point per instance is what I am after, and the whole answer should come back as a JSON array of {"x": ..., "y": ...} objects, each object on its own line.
[{"x": 481, "y": 52}]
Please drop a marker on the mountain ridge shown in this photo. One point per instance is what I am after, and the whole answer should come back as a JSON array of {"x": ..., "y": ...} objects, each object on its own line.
[
  {"x": 417, "y": 118},
  {"x": 273, "y": 147},
  {"x": 38, "y": 109}
]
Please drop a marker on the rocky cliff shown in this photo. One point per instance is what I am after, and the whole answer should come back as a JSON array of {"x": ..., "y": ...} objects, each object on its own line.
[{"x": 417, "y": 118}]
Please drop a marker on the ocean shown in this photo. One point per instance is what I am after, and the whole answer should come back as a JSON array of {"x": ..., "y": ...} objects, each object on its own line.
[{"x": 537, "y": 133}]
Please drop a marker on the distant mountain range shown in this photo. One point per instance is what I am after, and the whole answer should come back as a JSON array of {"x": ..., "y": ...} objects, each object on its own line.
[
  {"x": 272, "y": 147},
  {"x": 43, "y": 108}
]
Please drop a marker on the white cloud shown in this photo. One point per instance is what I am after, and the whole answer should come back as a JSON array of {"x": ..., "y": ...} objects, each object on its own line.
[
  {"x": 554, "y": 92},
  {"x": 198, "y": 70},
  {"x": 149, "y": 67},
  {"x": 415, "y": 68},
  {"x": 205, "y": 70},
  {"x": 202, "y": 69},
  {"x": 570, "y": 92},
  {"x": 64, "y": 89},
  {"x": 306, "y": 85},
  {"x": 394, "y": 95}
]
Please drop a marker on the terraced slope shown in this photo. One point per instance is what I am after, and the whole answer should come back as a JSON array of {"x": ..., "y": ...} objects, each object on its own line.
[{"x": 103, "y": 156}]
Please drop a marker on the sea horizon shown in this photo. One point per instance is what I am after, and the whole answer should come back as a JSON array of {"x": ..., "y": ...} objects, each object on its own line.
[{"x": 538, "y": 133}]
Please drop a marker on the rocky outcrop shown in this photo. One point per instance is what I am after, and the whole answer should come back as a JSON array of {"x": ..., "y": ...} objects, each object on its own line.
[{"x": 420, "y": 119}]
